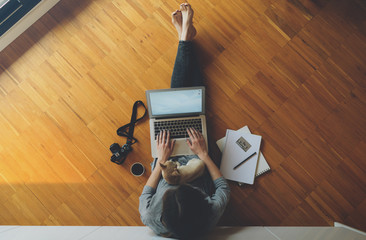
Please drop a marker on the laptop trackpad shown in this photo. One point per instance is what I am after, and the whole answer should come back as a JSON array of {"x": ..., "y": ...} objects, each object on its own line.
[{"x": 181, "y": 148}]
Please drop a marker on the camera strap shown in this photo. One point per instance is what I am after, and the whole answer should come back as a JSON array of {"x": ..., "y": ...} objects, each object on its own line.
[
  {"x": 120, "y": 153},
  {"x": 128, "y": 129}
]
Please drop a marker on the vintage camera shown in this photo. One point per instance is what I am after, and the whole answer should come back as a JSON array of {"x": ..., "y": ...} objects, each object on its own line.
[{"x": 119, "y": 153}]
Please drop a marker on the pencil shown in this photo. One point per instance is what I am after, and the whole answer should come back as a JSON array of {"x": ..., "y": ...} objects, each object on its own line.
[{"x": 244, "y": 160}]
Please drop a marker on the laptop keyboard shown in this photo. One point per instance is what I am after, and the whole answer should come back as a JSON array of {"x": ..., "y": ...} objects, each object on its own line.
[{"x": 178, "y": 128}]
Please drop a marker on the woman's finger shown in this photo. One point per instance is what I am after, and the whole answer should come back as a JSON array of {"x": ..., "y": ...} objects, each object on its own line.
[
  {"x": 194, "y": 132},
  {"x": 158, "y": 138},
  {"x": 168, "y": 137},
  {"x": 161, "y": 137},
  {"x": 199, "y": 134},
  {"x": 164, "y": 136},
  {"x": 189, "y": 133},
  {"x": 172, "y": 143},
  {"x": 189, "y": 143}
]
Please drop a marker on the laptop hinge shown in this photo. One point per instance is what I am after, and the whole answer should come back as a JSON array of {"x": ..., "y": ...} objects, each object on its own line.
[{"x": 173, "y": 117}]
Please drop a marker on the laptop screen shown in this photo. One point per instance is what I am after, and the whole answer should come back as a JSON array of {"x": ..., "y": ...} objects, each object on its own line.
[{"x": 176, "y": 102}]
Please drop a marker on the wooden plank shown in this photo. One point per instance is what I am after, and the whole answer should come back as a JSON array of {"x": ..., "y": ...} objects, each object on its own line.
[{"x": 293, "y": 71}]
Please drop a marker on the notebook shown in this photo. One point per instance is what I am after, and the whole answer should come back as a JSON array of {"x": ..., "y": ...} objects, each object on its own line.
[
  {"x": 176, "y": 109},
  {"x": 262, "y": 166},
  {"x": 240, "y": 156}
]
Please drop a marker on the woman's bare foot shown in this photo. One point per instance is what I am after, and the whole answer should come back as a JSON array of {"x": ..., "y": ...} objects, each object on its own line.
[
  {"x": 177, "y": 21},
  {"x": 188, "y": 30}
]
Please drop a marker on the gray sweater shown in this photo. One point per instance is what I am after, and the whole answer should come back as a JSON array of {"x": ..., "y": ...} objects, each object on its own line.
[{"x": 151, "y": 204}]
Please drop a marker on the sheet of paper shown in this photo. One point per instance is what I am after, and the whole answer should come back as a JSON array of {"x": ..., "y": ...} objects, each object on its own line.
[
  {"x": 233, "y": 154},
  {"x": 262, "y": 165}
]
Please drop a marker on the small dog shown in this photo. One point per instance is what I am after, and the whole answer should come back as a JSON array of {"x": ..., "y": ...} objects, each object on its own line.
[{"x": 176, "y": 174}]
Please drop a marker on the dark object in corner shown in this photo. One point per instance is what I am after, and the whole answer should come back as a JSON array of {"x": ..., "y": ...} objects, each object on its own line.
[{"x": 11, "y": 11}]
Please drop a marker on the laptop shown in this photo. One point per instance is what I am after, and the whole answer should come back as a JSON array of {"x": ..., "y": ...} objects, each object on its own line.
[{"x": 176, "y": 109}]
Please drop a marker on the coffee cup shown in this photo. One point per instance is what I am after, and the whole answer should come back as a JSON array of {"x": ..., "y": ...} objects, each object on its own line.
[{"x": 137, "y": 169}]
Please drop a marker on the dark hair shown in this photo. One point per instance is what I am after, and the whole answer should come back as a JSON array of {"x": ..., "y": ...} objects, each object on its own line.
[{"x": 185, "y": 212}]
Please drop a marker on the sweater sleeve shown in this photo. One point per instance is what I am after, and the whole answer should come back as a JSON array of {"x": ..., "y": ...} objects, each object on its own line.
[
  {"x": 145, "y": 200},
  {"x": 150, "y": 212},
  {"x": 219, "y": 199}
]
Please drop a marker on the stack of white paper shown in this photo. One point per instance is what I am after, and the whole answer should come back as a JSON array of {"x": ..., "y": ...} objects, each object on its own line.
[{"x": 234, "y": 153}]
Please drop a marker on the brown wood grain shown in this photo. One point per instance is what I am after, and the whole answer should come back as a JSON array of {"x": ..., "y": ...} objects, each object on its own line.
[{"x": 293, "y": 71}]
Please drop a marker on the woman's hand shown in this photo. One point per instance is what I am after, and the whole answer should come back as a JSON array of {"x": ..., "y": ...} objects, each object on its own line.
[
  {"x": 197, "y": 143},
  {"x": 164, "y": 146},
  {"x": 198, "y": 146}
]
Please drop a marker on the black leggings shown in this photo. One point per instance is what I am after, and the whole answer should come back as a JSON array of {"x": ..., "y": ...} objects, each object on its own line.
[{"x": 186, "y": 72}]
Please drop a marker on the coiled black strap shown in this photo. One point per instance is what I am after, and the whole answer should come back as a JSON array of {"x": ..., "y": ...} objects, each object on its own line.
[{"x": 128, "y": 129}]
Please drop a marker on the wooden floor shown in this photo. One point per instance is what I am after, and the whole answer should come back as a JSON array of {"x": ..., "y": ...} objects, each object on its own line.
[{"x": 294, "y": 71}]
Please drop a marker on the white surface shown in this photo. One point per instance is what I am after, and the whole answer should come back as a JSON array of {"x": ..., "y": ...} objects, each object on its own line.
[
  {"x": 25, "y": 22},
  {"x": 337, "y": 224},
  {"x": 315, "y": 233},
  {"x": 6, "y": 228},
  {"x": 136, "y": 233},
  {"x": 240, "y": 233},
  {"x": 117, "y": 233},
  {"x": 46, "y": 232}
]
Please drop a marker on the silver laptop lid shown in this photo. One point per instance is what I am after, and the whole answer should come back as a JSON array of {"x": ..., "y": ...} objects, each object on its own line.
[{"x": 176, "y": 102}]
